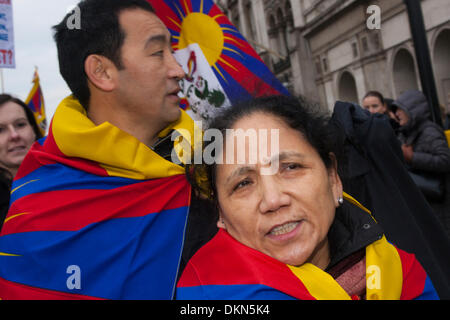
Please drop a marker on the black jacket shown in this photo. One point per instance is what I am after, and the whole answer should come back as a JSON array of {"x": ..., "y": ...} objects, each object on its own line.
[
  {"x": 431, "y": 151},
  {"x": 352, "y": 230},
  {"x": 5, "y": 186},
  {"x": 373, "y": 171}
]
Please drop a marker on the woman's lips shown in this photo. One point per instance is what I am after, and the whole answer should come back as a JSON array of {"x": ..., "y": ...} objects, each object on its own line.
[
  {"x": 17, "y": 149},
  {"x": 284, "y": 231}
]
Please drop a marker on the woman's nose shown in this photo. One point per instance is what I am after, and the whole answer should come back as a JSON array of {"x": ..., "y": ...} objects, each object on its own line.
[
  {"x": 13, "y": 133},
  {"x": 273, "y": 196}
]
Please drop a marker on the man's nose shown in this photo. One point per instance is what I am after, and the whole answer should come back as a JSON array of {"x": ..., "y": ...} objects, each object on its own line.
[{"x": 175, "y": 69}]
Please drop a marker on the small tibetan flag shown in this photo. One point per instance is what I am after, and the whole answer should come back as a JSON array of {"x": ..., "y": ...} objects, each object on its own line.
[
  {"x": 220, "y": 65},
  {"x": 35, "y": 102}
]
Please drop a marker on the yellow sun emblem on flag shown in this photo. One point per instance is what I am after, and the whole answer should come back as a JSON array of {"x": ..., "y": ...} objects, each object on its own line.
[{"x": 208, "y": 33}]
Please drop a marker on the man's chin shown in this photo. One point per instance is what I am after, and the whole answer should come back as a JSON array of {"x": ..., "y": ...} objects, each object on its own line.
[{"x": 174, "y": 112}]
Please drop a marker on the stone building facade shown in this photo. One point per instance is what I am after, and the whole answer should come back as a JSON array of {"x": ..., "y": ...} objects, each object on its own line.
[{"x": 325, "y": 50}]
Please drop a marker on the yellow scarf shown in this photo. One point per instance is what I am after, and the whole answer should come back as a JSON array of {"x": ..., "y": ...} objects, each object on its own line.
[
  {"x": 383, "y": 273},
  {"x": 119, "y": 153}
]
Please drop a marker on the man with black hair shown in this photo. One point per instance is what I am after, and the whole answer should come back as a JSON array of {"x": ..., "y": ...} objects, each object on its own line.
[{"x": 98, "y": 209}]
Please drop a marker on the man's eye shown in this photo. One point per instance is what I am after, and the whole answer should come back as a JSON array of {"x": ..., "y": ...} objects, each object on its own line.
[{"x": 158, "y": 53}]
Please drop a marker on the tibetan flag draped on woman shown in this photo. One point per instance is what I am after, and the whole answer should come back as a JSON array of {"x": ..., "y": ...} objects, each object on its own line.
[
  {"x": 221, "y": 67},
  {"x": 35, "y": 102},
  {"x": 94, "y": 214}
]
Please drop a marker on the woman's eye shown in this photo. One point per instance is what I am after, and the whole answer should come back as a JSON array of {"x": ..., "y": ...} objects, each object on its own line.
[
  {"x": 241, "y": 184},
  {"x": 292, "y": 166}
]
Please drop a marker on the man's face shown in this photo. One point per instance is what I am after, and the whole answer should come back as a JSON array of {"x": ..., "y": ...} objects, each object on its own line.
[{"x": 148, "y": 82}]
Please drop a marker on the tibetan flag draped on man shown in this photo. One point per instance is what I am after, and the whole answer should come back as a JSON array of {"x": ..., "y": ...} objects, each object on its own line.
[
  {"x": 221, "y": 67},
  {"x": 35, "y": 102},
  {"x": 94, "y": 214}
]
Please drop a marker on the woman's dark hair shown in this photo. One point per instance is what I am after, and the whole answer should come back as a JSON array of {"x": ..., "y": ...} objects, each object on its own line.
[
  {"x": 99, "y": 33},
  {"x": 4, "y": 98},
  {"x": 298, "y": 114},
  {"x": 375, "y": 94}
]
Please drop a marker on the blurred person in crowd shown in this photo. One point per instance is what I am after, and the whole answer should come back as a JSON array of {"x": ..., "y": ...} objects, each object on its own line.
[
  {"x": 290, "y": 233},
  {"x": 18, "y": 131},
  {"x": 424, "y": 144},
  {"x": 375, "y": 103},
  {"x": 102, "y": 206}
]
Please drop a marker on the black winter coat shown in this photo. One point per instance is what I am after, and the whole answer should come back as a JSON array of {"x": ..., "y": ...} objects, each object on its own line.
[
  {"x": 373, "y": 171},
  {"x": 4, "y": 198},
  {"x": 431, "y": 151}
]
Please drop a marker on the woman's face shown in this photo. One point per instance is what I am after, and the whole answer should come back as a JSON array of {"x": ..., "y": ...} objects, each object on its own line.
[
  {"x": 16, "y": 136},
  {"x": 374, "y": 105},
  {"x": 285, "y": 215}
]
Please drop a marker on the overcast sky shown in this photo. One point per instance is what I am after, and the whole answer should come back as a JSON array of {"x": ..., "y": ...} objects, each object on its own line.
[{"x": 34, "y": 46}]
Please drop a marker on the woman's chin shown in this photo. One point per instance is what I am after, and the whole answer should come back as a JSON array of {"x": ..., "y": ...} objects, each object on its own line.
[{"x": 293, "y": 260}]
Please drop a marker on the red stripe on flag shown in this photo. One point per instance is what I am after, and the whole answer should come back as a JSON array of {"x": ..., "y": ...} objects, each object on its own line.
[
  {"x": 244, "y": 266},
  {"x": 187, "y": 5},
  {"x": 37, "y": 101},
  {"x": 243, "y": 46},
  {"x": 247, "y": 79},
  {"x": 42, "y": 211},
  {"x": 414, "y": 276},
  {"x": 17, "y": 291},
  {"x": 166, "y": 14}
]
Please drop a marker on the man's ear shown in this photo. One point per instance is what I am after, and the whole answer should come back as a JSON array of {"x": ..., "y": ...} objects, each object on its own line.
[{"x": 101, "y": 72}]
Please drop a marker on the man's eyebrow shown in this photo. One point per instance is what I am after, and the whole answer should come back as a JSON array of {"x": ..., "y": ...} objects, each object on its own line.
[{"x": 159, "y": 38}]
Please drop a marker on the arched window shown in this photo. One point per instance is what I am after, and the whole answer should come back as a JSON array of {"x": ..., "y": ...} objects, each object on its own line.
[
  {"x": 441, "y": 57},
  {"x": 404, "y": 70},
  {"x": 347, "y": 88}
]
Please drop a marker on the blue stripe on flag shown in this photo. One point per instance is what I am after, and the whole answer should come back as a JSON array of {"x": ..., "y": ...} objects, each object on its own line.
[
  {"x": 127, "y": 258},
  {"x": 429, "y": 292},
  {"x": 231, "y": 292},
  {"x": 178, "y": 10},
  {"x": 61, "y": 177},
  {"x": 207, "y": 5},
  {"x": 235, "y": 92}
]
